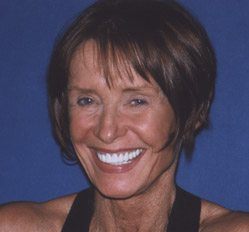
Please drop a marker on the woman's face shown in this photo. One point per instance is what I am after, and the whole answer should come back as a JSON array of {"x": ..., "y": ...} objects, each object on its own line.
[{"x": 119, "y": 133}]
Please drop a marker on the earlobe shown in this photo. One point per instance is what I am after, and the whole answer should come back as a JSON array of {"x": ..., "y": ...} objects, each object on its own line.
[
  {"x": 56, "y": 111},
  {"x": 56, "y": 116},
  {"x": 202, "y": 120},
  {"x": 198, "y": 125}
]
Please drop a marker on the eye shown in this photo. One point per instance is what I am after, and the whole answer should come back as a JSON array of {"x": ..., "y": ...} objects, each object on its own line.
[
  {"x": 138, "y": 102},
  {"x": 85, "y": 101}
]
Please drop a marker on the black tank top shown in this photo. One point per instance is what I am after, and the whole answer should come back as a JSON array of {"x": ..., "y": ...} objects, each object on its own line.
[{"x": 184, "y": 217}]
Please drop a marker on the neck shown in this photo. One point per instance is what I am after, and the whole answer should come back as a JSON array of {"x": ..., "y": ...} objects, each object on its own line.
[{"x": 147, "y": 211}]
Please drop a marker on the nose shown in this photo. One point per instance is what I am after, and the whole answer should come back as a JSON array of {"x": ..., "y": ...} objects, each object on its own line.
[{"x": 110, "y": 126}]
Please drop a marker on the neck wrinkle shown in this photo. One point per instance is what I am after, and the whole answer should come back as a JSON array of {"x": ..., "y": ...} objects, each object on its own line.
[{"x": 148, "y": 211}]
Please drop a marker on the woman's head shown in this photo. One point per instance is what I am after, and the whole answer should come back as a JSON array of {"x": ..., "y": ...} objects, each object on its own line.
[
  {"x": 119, "y": 131},
  {"x": 159, "y": 41}
]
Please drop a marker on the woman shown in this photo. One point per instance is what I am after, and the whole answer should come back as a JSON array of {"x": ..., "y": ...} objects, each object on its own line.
[{"x": 130, "y": 85}]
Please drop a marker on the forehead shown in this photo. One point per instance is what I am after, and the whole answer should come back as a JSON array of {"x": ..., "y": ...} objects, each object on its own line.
[
  {"x": 88, "y": 66},
  {"x": 85, "y": 58}
]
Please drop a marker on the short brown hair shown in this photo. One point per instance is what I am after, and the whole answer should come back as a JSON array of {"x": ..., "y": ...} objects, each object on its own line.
[{"x": 159, "y": 39}]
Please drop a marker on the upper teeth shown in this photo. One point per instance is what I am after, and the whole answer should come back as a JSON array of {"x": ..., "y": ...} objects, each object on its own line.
[{"x": 118, "y": 158}]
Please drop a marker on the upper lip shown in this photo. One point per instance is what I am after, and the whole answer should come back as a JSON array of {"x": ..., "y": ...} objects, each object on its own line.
[{"x": 104, "y": 150}]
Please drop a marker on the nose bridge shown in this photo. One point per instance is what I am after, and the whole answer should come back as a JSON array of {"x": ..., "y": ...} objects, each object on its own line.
[{"x": 109, "y": 127}]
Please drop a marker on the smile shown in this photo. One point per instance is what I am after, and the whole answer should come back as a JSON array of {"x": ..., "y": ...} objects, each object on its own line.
[{"x": 119, "y": 158}]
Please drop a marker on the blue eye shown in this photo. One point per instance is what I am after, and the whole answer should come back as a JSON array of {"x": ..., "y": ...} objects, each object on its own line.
[
  {"x": 138, "y": 102},
  {"x": 85, "y": 101}
]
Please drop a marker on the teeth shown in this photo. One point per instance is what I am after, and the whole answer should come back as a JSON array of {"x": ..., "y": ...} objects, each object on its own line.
[{"x": 118, "y": 158}]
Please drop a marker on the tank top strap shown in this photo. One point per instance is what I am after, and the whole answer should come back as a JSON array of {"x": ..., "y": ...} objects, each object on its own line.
[
  {"x": 80, "y": 214},
  {"x": 185, "y": 213},
  {"x": 184, "y": 217}
]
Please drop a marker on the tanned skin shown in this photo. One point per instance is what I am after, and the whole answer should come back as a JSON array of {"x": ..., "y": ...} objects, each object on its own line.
[
  {"x": 50, "y": 217},
  {"x": 151, "y": 189}
]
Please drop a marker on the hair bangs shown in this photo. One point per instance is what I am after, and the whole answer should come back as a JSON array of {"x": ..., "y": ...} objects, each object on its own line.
[{"x": 118, "y": 59}]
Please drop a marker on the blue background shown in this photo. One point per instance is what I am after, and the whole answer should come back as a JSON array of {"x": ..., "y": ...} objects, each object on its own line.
[{"x": 30, "y": 164}]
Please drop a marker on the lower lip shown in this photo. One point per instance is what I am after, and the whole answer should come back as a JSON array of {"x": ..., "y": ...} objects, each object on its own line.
[{"x": 108, "y": 168}]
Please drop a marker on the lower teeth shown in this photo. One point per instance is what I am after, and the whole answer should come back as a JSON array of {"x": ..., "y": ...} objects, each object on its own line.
[{"x": 120, "y": 163}]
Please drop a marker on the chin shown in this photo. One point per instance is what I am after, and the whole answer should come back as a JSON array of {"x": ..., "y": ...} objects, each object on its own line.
[{"x": 118, "y": 191}]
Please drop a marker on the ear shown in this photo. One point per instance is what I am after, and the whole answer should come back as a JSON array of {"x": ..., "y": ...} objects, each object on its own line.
[
  {"x": 57, "y": 123},
  {"x": 198, "y": 125},
  {"x": 57, "y": 111},
  {"x": 202, "y": 117}
]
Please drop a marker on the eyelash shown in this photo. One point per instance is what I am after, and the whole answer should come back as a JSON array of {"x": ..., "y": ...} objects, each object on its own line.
[
  {"x": 85, "y": 101},
  {"x": 138, "y": 102}
]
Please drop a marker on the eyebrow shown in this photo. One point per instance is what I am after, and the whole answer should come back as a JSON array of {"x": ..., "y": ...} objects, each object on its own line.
[
  {"x": 82, "y": 90},
  {"x": 137, "y": 89},
  {"x": 125, "y": 90}
]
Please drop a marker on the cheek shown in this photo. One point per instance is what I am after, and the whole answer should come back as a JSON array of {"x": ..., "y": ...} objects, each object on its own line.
[
  {"x": 79, "y": 126},
  {"x": 155, "y": 128}
]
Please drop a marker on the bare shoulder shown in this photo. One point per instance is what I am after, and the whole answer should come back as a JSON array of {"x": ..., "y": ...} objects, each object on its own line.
[
  {"x": 36, "y": 217},
  {"x": 215, "y": 218}
]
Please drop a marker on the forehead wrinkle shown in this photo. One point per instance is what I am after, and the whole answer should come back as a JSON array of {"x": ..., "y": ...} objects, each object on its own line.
[
  {"x": 111, "y": 64},
  {"x": 87, "y": 55},
  {"x": 80, "y": 90},
  {"x": 114, "y": 65}
]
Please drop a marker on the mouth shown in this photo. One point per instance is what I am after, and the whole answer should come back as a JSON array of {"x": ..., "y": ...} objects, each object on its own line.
[{"x": 119, "y": 158}]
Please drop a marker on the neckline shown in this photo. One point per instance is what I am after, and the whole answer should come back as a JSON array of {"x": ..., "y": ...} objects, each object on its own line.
[
  {"x": 185, "y": 213},
  {"x": 184, "y": 216}
]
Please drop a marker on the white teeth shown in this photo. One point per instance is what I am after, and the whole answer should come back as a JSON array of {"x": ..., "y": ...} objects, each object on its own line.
[{"x": 119, "y": 158}]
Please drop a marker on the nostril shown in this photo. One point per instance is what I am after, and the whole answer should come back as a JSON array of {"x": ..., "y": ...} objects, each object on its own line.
[
  {"x": 110, "y": 125},
  {"x": 107, "y": 129}
]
